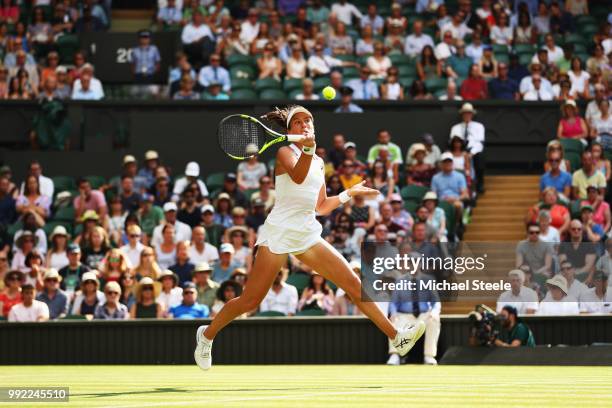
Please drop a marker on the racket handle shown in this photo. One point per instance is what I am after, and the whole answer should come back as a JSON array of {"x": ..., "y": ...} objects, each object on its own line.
[{"x": 294, "y": 138}]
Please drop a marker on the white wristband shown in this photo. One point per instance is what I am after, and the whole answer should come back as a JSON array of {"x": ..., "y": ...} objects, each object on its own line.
[
  {"x": 344, "y": 197},
  {"x": 308, "y": 150}
]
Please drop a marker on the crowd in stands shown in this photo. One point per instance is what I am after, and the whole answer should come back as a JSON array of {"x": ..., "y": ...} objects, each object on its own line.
[{"x": 447, "y": 50}]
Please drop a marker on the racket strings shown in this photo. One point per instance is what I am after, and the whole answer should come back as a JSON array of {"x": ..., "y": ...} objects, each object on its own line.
[{"x": 240, "y": 137}]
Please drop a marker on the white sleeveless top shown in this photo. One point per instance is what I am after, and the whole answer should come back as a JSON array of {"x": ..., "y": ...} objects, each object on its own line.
[
  {"x": 393, "y": 91},
  {"x": 292, "y": 226}
]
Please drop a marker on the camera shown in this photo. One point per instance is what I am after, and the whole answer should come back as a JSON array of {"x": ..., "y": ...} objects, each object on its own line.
[{"x": 485, "y": 324}]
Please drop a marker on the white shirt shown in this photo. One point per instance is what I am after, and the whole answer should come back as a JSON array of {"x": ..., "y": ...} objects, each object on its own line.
[
  {"x": 474, "y": 52},
  {"x": 591, "y": 303},
  {"x": 555, "y": 54},
  {"x": 578, "y": 81},
  {"x": 46, "y": 186},
  {"x": 552, "y": 236},
  {"x": 459, "y": 32},
  {"x": 345, "y": 12},
  {"x": 541, "y": 94},
  {"x": 181, "y": 184},
  {"x": 445, "y": 98},
  {"x": 285, "y": 301},
  {"x": 527, "y": 85},
  {"x": 133, "y": 254},
  {"x": 566, "y": 306},
  {"x": 443, "y": 51},
  {"x": 576, "y": 289},
  {"x": 168, "y": 300},
  {"x": 191, "y": 33},
  {"x": 322, "y": 65},
  {"x": 248, "y": 32},
  {"x": 475, "y": 135},
  {"x": 182, "y": 232},
  {"x": 20, "y": 313},
  {"x": 526, "y": 299},
  {"x": 95, "y": 87},
  {"x": 501, "y": 35},
  {"x": 413, "y": 45},
  {"x": 210, "y": 254}
]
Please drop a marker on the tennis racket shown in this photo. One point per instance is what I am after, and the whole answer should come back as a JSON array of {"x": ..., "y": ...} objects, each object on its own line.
[{"x": 243, "y": 136}]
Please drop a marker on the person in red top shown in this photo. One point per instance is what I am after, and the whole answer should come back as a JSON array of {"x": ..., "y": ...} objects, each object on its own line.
[
  {"x": 560, "y": 215},
  {"x": 9, "y": 12},
  {"x": 11, "y": 295},
  {"x": 571, "y": 125},
  {"x": 474, "y": 87}
]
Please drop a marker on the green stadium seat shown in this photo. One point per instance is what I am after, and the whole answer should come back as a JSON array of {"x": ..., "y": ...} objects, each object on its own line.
[
  {"x": 64, "y": 214},
  {"x": 574, "y": 159},
  {"x": 413, "y": 192},
  {"x": 583, "y": 56},
  {"x": 292, "y": 84},
  {"x": 271, "y": 164},
  {"x": 449, "y": 211},
  {"x": 311, "y": 312},
  {"x": 270, "y": 313},
  {"x": 406, "y": 70},
  {"x": 435, "y": 84},
  {"x": 320, "y": 83},
  {"x": 401, "y": 59},
  {"x": 64, "y": 183},
  {"x": 241, "y": 83},
  {"x": 411, "y": 205},
  {"x": 406, "y": 81},
  {"x": 346, "y": 57},
  {"x": 588, "y": 31},
  {"x": 299, "y": 280},
  {"x": 580, "y": 48},
  {"x": 350, "y": 72},
  {"x": 267, "y": 83},
  {"x": 96, "y": 181},
  {"x": 525, "y": 59},
  {"x": 243, "y": 94},
  {"x": 268, "y": 94},
  {"x": 573, "y": 38},
  {"x": 239, "y": 59},
  {"x": 249, "y": 193},
  {"x": 293, "y": 94},
  {"x": 500, "y": 49},
  {"x": 363, "y": 59},
  {"x": 505, "y": 58},
  {"x": 13, "y": 228},
  {"x": 572, "y": 145},
  {"x": 67, "y": 45},
  {"x": 215, "y": 181},
  {"x": 243, "y": 71},
  {"x": 585, "y": 19},
  {"x": 525, "y": 49}
]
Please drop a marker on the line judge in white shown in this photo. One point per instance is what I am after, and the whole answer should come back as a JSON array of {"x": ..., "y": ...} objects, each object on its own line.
[{"x": 522, "y": 298}]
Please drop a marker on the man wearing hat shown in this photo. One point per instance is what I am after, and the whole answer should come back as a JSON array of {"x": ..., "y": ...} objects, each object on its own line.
[
  {"x": 399, "y": 215},
  {"x": 514, "y": 332},
  {"x": 214, "y": 92},
  {"x": 182, "y": 232},
  {"x": 192, "y": 172},
  {"x": 450, "y": 185},
  {"x": 230, "y": 187},
  {"x": 520, "y": 297},
  {"x": 538, "y": 92},
  {"x": 557, "y": 301},
  {"x": 214, "y": 230},
  {"x": 432, "y": 151},
  {"x": 473, "y": 133},
  {"x": 350, "y": 153},
  {"x": 72, "y": 273},
  {"x": 29, "y": 309},
  {"x": 145, "y": 59},
  {"x": 189, "y": 307},
  {"x": 147, "y": 172},
  {"x": 206, "y": 287},
  {"x": 226, "y": 265},
  {"x": 526, "y": 84},
  {"x": 55, "y": 299},
  {"x": 346, "y": 102},
  {"x": 130, "y": 169},
  {"x": 597, "y": 299}
]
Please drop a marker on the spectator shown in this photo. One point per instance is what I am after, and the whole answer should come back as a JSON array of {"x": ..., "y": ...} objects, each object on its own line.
[
  {"x": 250, "y": 27},
  {"x": 215, "y": 73},
  {"x": 419, "y": 171},
  {"x": 192, "y": 172},
  {"x": 222, "y": 214},
  {"x": 183, "y": 268},
  {"x": 394, "y": 41},
  {"x": 557, "y": 301},
  {"x": 548, "y": 233},
  {"x": 11, "y": 295},
  {"x": 538, "y": 91},
  {"x": 206, "y": 287},
  {"x": 189, "y": 307},
  {"x": 604, "y": 263},
  {"x": 601, "y": 131},
  {"x": 113, "y": 267},
  {"x": 428, "y": 66},
  {"x": 514, "y": 332},
  {"x": 372, "y": 20},
  {"x": 575, "y": 288},
  {"x": 501, "y": 33},
  {"x": 147, "y": 172},
  {"x": 145, "y": 59},
  {"x": 296, "y": 63},
  {"x": 535, "y": 253},
  {"x": 317, "y": 295},
  {"x": 450, "y": 185},
  {"x": 227, "y": 291},
  {"x": 26, "y": 72},
  {"x": 384, "y": 142},
  {"x": 31, "y": 223},
  {"x": 134, "y": 247},
  {"x": 230, "y": 187},
  {"x": 378, "y": 63},
  {"x": 249, "y": 173},
  {"x": 57, "y": 257},
  {"x": 456, "y": 27},
  {"x": 182, "y": 230},
  {"x": 145, "y": 305},
  {"x": 32, "y": 199},
  {"x": 556, "y": 178},
  {"x": 593, "y": 232},
  {"x": 597, "y": 299},
  {"x": 599, "y": 160},
  {"x": 345, "y": 12},
  {"x": 415, "y": 42},
  {"x": 391, "y": 89},
  {"x": 396, "y": 19},
  {"x": 348, "y": 177},
  {"x": 171, "y": 294},
  {"x": 72, "y": 273},
  {"x": 111, "y": 309},
  {"x": 364, "y": 87},
  {"x": 400, "y": 216},
  {"x": 541, "y": 21},
  {"x": 503, "y": 87},
  {"x": 317, "y": 12},
  {"x": 593, "y": 110},
  {"x": 436, "y": 217},
  {"x": 89, "y": 199},
  {"x": 525, "y": 32},
  {"x": 190, "y": 213},
  {"x": 84, "y": 90},
  {"x": 320, "y": 64},
  {"x": 523, "y": 299},
  {"x": 476, "y": 48},
  {"x": 89, "y": 297},
  {"x": 28, "y": 309},
  {"x": 25, "y": 245},
  {"x": 474, "y": 87},
  {"x": 8, "y": 211},
  {"x": 587, "y": 176},
  {"x": 451, "y": 92},
  {"x": 561, "y": 21},
  {"x": 166, "y": 250},
  {"x": 517, "y": 72},
  {"x": 339, "y": 42},
  {"x": 579, "y": 79},
  {"x": 473, "y": 133},
  {"x": 238, "y": 237},
  {"x": 560, "y": 216},
  {"x": 197, "y": 39},
  {"x": 226, "y": 265},
  {"x": 346, "y": 102},
  {"x": 579, "y": 251},
  {"x": 488, "y": 64},
  {"x": 526, "y": 83},
  {"x": 266, "y": 193},
  {"x": 281, "y": 298},
  {"x": 382, "y": 178},
  {"x": 55, "y": 299},
  {"x": 307, "y": 91},
  {"x": 170, "y": 15},
  {"x": 186, "y": 92},
  {"x": 4, "y": 83},
  {"x": 418, "y": 90},
  {"x": 147, "y": 265},
  {"x": 458, "y": 65}
]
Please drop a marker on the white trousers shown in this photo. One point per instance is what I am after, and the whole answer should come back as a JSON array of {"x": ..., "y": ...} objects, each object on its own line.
[{"x": 432, "y": 330}]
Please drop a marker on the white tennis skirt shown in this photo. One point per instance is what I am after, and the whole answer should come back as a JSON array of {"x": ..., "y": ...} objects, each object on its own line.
[{"x": 281, "y": 240}]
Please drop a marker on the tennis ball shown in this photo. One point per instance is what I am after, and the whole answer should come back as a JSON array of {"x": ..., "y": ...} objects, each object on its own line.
[{"x": 329, "y": 93}]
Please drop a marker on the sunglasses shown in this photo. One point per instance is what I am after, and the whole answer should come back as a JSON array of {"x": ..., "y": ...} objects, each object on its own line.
[
  {"x": 531, "y": 232},
  {"x": 566, "y": 268},
  {"x": 134, "y": 236},
  {"x": 554, "y": 160},
  {"x": 13, "y": 278},
  {"x": 114, "y": 259},
  {"x": 147, "y": 288},
  {"x": 188, "y": 292},
  {"x": 111, "y": 293}
]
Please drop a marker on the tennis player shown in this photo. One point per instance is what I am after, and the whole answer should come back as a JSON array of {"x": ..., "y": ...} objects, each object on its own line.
[{"x": 291, "y": 228}]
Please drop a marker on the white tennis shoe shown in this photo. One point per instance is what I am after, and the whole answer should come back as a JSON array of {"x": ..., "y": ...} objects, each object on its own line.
[
  {"x": 406, "y": 338},
  {"x": 203, "y": 350}
]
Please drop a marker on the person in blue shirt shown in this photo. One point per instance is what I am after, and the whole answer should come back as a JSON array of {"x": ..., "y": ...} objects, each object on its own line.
[
  {"x": 450, "y": 185},
  {"x": 516, "y": 71},
  {"x": 346, "y": 102},
  {"x": 459, "y": 64},
  {"x": 557, "y": 178},
  {"x": 225, "y": 266},
  {"x": 215, "y": 73},
  {"x": 145, "y": 59},
  {"x": 189, "y": 307},
  {"x": 503, "y": 87},
  {"x": 214, "y": 93},
  {"x": 363, "y": 87},
  {"x": 183, "y": 268}
]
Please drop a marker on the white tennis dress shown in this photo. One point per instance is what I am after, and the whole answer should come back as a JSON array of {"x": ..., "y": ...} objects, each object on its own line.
[{"x": 291, "y": 226}]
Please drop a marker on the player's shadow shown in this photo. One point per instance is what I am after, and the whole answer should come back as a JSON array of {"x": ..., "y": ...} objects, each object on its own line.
[{"x": 164, "y": 390}]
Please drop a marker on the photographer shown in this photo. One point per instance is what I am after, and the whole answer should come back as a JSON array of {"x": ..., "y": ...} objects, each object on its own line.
[{"x": 514, "y": 332}]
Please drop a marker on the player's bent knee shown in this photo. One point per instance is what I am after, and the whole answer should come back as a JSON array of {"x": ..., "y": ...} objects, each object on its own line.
[{"x": 250, "y": 302}]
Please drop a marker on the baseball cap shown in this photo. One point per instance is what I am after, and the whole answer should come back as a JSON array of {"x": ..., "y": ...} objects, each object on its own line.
[
  {"x": 226, "y": 248},
  {"x": 74, "y": 249},
  {"x": 89, "y": 276},
  {"x": 446, "y": 156},
  {"x": 223, "y": 196},
  {"x": 230, "y": 177},
  {"x": 61, "y": 70},
  {"x": 129, "y": 159},
  {"x": 586, "y": 207},
  {"x": 52, "y": 273},
  {"x": 209, "y": 208},
  {"x": 428, "y": 138},
  {"x": 144, "y": 34},
  {"x": 192, "y": 169},
  {"x": 258, "y": 202},
  {"x": 348, "y": 145},
  {"x": 430, "y": 195},
  {"x": 238, "y": 211},
  {"x": 170, "y": 206},
  {"x": 188, "y": 286},
  {"x": 396, "y": 198},
  {"x": 151, "y": 155}
]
